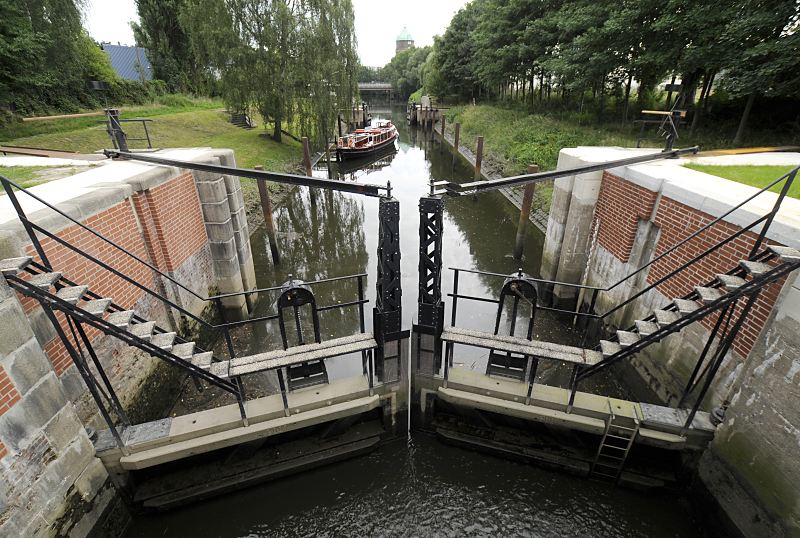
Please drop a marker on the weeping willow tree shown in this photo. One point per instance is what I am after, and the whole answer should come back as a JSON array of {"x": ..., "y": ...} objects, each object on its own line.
[{"x": 294, "y": 61}]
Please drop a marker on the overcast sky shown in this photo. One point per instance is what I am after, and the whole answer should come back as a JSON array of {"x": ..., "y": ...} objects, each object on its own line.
[{"x": 377, "y": 23}]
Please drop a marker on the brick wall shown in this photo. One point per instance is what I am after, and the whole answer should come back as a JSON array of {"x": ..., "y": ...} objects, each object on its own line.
[
  {"x": 162, "y": 225},
  {"x": 620, "y": 206},
  {"x": 8, "y": 397},
  {"x": 172, "y": 232}
]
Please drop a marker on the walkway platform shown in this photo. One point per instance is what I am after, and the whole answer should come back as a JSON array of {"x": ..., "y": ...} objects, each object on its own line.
[
  {"x": 659, "y": 426},
  {"x": 171, "y": 439}
]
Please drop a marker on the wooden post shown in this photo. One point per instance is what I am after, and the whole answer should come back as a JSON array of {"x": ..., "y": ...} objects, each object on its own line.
[
  {"x": 339, "y": 123},
  {"x": 456, "y": 142},
  {"x": 478, "y": 158},
  {"x": 525, "y": 213},
  {"x": 312, "y": 192},
  {"x": 266, "y": 208}
]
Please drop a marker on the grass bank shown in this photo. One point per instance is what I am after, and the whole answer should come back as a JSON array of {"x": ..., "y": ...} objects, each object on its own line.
[
  {"x": 755, "y": 176},
  {"x": 177, "y": 122},
  {"x": 514, "y": 138}
]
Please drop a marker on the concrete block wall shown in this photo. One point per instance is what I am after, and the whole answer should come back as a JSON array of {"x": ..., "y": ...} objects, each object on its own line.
[{"x": 49, "y": 477}]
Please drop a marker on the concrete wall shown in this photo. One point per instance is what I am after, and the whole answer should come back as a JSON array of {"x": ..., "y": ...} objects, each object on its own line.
[
  {"x": 161, "y": 215},
  {"x": 49, "y": 477},
  {"x": 637, "y": 213}
]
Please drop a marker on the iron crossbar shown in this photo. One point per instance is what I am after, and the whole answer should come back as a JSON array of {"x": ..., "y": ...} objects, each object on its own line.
[
  {"x": 475, "y": 187},
  {"x": 365, "y": 189}
]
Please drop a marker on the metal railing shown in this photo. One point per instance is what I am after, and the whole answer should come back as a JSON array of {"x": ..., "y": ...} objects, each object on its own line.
[{"x": 220, "y": 329}]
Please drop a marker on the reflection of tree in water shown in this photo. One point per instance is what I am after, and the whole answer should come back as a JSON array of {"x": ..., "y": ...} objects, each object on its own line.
[{"x": 316, "y": 241}]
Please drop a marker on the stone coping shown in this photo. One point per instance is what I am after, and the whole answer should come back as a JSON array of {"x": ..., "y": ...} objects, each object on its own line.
[
  {"x": 705, "y": 192},
  {"x": 90, "y": 192}
]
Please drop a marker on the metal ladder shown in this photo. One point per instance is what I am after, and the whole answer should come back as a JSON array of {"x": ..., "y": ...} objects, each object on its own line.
[{"x": 609, "y": 461}]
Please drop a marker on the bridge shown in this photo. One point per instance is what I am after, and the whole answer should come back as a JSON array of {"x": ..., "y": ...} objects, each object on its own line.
[
  {"x": 379, "y": 90},
  {"x": 315, "y": 418}
]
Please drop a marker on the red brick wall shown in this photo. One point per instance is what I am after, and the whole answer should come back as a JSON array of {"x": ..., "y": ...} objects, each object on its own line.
[
  {"x": 172, "y": 229},
  {"x": 9, "y": 395},
  {"x": 619, "y": 207},
  {"x": 622, "y": 204},
  {"x": 172, "y": 221}
]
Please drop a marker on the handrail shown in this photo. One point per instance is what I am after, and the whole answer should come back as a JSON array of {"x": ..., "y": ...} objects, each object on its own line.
[
  {"x": 5, "y": 181},
  {"x": 462, "y": 189},
  {"x": 766, "y": 219}
]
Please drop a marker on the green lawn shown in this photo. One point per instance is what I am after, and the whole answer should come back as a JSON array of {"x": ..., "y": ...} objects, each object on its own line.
[
  {"x": 755, "y": 176},
  {"x": 201, "y": 122}
]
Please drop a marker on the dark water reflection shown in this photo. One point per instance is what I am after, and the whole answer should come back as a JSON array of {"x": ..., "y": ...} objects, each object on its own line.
[{"x": 424, "y": 488}]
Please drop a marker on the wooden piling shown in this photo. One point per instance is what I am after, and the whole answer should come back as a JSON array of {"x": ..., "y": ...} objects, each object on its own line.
[
  {"x": 266, "y": 208},
  {"x": 312, "y": 192},
  {"x": 525, "y": 213},
  {"x": 456, "y": 141},
  {"x": 478, "y": 158}
]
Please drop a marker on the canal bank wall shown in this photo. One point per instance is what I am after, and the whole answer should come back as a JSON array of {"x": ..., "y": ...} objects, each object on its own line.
[
  {"x": 537, "y": 216},
  {"x": 606, "y": 225},
  {"x": 190, "y": 226}
]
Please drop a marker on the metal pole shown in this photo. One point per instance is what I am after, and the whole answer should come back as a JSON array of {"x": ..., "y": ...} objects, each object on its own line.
[
  {"x": 312, "y": 192},
  {"x": 478, "y": 158},
  {"x": 765, "y": 227},
  {"x": 266, "y": 208},
  {"x": 115, "y": 130},
  {"x": 456, "y": 141},
  {"x": 525, "y": 213}
]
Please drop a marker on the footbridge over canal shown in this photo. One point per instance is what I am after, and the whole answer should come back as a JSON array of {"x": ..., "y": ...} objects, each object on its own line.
[{"x": 509, "y": 409}]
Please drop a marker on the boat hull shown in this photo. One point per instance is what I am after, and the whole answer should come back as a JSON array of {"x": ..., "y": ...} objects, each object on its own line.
[{"x": 343, "y": 154}]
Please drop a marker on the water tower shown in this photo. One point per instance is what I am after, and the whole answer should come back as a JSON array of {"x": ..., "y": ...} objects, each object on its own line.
[{"x": 404, "y": 41}]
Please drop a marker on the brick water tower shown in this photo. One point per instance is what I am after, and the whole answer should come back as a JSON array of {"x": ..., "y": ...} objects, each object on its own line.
[{"x": 404, "y": 41}]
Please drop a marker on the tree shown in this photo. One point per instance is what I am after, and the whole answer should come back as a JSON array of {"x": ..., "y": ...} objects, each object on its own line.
[
  {"x": 40, "y": 62},
  {"x": 288, "y": 59},
  {"x": 404, "y": 71},
  {"x": 159, "y": 31}
]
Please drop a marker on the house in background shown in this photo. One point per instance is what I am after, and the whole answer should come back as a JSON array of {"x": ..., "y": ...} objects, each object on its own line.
[{"x": 130, "y": 63}]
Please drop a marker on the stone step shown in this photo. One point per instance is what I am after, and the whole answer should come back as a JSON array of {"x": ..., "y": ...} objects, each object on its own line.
[
  {"x": 707, "y": 295},
  {"x": 665, "y": 317},
  {"x": 203, "y": 360},
  {"x": 72, "y": 294},
  {"x": 12, "y": 266},
  {"x": 786, "y": 254},
  {"x": 120, "y": 319},
  {"x": 730, "y": 282},
  {"x": 96, "y": 307},
  {"x": 755, "y": 268},
  {"x": 183, "y": 351},
  {"x": 685, "y": 306},
  {"x": 219, "y": 369},
  {"x": 143, "y": 330},
  {"x": 627, "y": 338},
  {"x": 646, "y": 328},
  {"x": 609, "y": 348},
  {"x": 45, "y": 280},
  {"x": 163, "y": 340}
]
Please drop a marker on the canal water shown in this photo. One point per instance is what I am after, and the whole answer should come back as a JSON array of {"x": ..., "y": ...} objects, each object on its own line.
[{"x": 416, "y": 486}]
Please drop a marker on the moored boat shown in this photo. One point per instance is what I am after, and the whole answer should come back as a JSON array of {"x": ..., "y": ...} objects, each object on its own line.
[{"x": 363, "y": 142}]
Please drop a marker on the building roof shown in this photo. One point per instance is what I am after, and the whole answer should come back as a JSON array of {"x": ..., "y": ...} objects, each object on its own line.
[
  {"x": 404, "y": 35},
  {"x": 130, "y": 63}
]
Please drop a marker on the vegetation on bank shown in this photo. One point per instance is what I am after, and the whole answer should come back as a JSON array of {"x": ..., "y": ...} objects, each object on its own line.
[
  {"x": 180, "y": 122},
  {"x": 733, "y": 61},
  {"x": 755, "y": 176}
]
